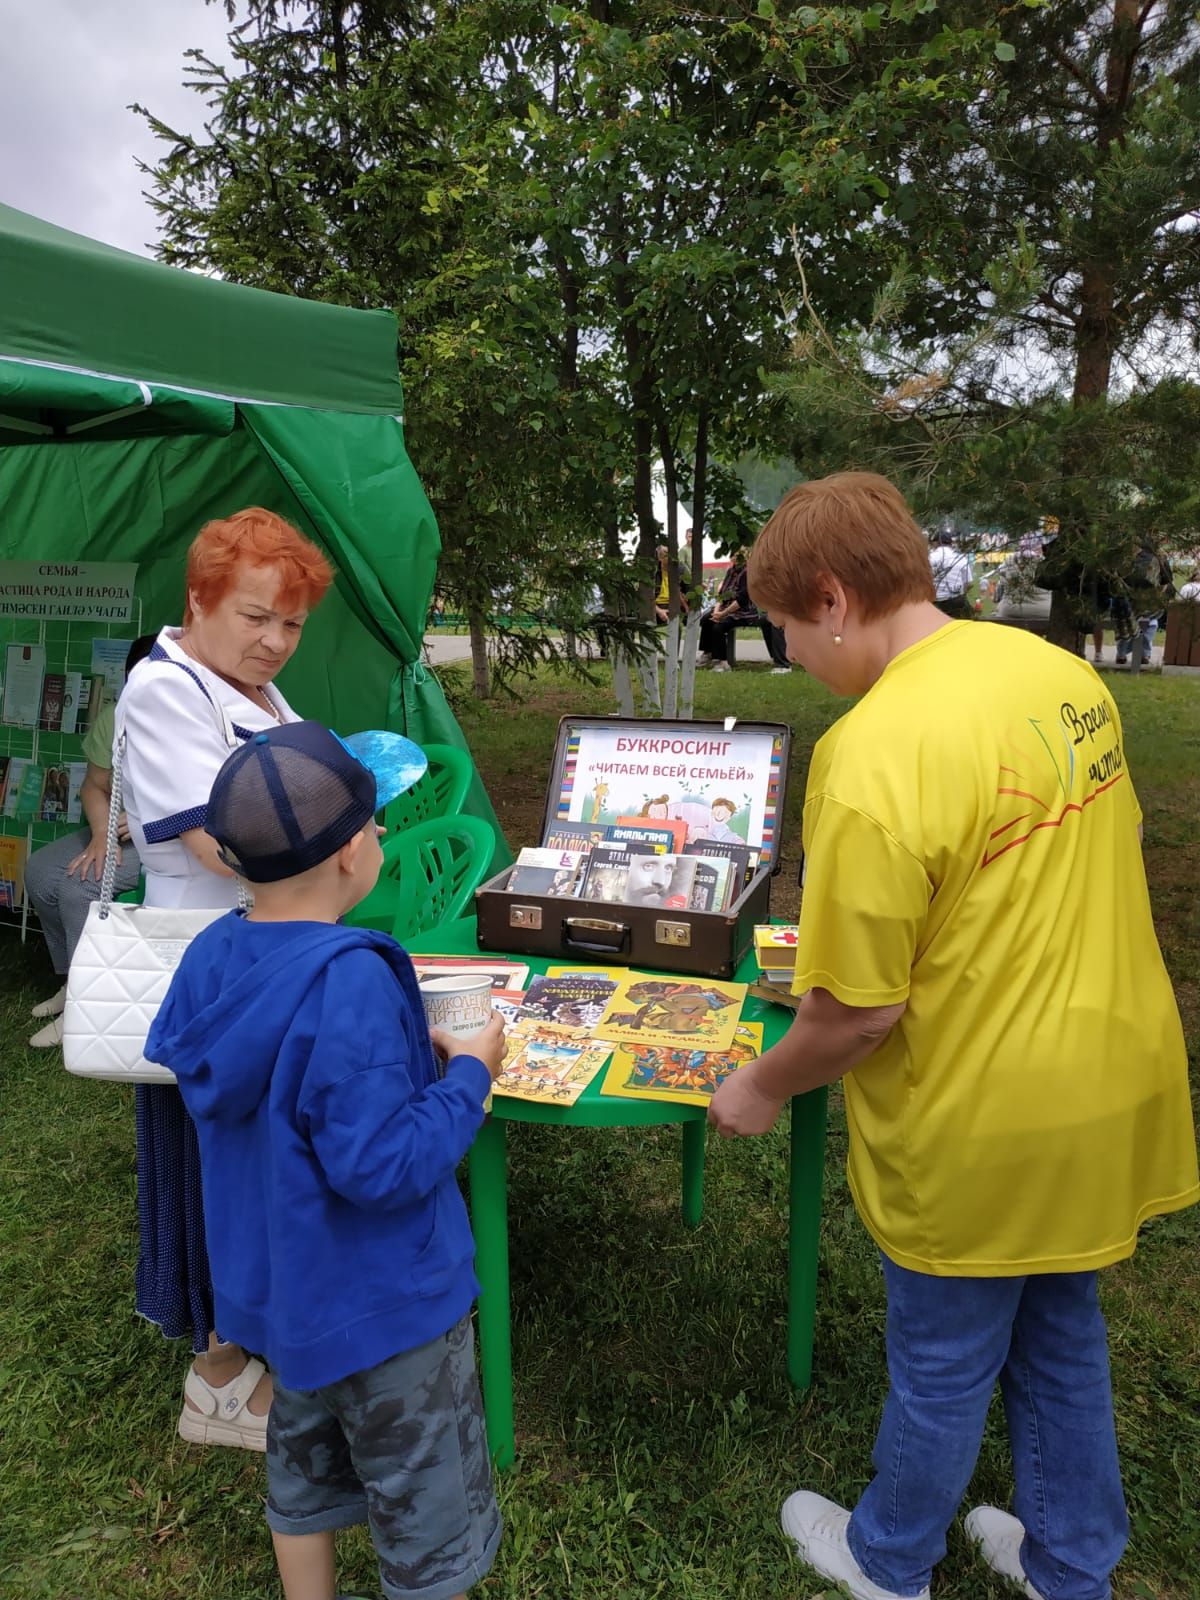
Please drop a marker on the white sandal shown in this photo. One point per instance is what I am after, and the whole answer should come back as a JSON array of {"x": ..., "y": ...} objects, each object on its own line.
[
  {"x": 223, "y": 1416},
  {"x": 54, "y": 1007}
]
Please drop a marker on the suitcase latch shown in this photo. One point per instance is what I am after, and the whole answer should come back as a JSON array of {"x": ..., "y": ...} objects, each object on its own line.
[
  {"x": 676, "y": 933},
  {"x": 525, "y": 916}
]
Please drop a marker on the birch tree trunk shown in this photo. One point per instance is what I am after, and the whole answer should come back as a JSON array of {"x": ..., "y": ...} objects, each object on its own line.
[{"x": 622, "y": 682}]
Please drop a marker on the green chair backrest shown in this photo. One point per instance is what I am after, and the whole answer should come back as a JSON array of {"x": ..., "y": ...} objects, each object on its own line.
[
  {"x": 440, "y": 793},
  {"x": 436, "y": 867}
]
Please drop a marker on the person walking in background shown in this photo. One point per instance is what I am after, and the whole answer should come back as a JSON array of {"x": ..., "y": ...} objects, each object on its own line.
[
  {"x": 952, "y": 576},
  {"x": 1001, "y": 1149},
  {"x": 63, "y": 878},
  {"x": 1149, "y": 587}
]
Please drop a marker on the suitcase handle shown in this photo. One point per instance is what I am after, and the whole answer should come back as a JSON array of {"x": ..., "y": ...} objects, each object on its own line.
[{"x": 615, "y": 945}]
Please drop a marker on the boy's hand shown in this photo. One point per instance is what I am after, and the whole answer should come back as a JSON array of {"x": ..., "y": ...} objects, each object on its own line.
[{"x": 487, "y": 1045}]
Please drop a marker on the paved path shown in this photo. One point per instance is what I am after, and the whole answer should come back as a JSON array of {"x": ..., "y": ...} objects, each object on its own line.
[{"x": 442, "y": 648}]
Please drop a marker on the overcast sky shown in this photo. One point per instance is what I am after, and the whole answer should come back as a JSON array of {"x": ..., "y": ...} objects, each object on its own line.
[{"x": 68, "y": 71}]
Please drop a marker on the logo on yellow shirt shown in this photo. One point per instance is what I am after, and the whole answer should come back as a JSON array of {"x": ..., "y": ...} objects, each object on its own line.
[{"x": 1052, "y": 771}]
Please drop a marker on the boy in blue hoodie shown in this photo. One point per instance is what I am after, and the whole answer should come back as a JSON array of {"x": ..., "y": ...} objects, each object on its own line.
[{"x": 329, "y": 1136}]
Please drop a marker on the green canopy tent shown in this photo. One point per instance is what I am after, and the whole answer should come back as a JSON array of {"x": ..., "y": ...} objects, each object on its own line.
[{"x": 137, "y": 401}]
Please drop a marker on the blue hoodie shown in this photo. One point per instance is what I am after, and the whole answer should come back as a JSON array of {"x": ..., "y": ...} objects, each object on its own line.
[{"x": 337, "y": 1234}]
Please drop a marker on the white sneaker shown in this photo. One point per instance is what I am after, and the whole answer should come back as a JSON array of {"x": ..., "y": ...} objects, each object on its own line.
[
  {"x": 817, "y": 1527},
  {"x": 999, "y": 1537},
  {"x": 54, "y": 1007},
  {"x": 777, "y": 671},
  {"x": 50, "y": 1036},
  {"x": 703, "y": 659},
  {"x": 721, "y": 666}
]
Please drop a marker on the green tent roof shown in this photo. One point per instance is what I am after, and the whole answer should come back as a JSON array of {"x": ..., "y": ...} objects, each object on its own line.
[{"x": 67, "y": 301}]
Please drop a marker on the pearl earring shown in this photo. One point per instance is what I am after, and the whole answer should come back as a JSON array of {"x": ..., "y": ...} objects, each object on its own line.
[{"x": 837, "y": 638}]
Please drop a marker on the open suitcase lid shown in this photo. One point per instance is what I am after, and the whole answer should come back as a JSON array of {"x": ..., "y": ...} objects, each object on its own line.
[{"x": 606, "y": 768}]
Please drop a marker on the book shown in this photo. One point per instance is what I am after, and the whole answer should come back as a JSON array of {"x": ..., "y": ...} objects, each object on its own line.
[
  {"x": 607, "y": 873},
  {"x": 505, "y": 975},
  {"x": 54, "y": 796},
  {"x": 72, "y": 697},
  {"x": 710, "y": 889},
  {"x": 574, "y": 836},
  {"x": 575, "y": 1000},
  {"x": 24, "y": 665},
  {"x": 775, "y": 947},
  {"x": 682, "y": 1075},
  {"x": 76, "y": 773},
  {"x": 54, "y": 689},
  {"x": 12, "y": 872},
  {"x": 662, "y": 881},
  {"x": 553, "y": 1071},
  {"x": 699, "y": 1012},
  {"x": 744, "y": 861},
  {"x": 95, "y": 701},
  {"x": 4, "y": 766},
  {"x": 23, "y": 797},
  {"x": 546, "y": 871},
  {"x": 675, "y": 826},
  {"x": 654, "y": 838}
]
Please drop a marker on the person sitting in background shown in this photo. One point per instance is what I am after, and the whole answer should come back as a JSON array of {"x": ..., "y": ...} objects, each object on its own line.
[
  {"x": 662, "y": 597},
  {"x": 734, "y": 609},
  {"x": 1191, "y": 589},
  {"x": 952, "y": 576},
  {"x": 62, "y": 879},
  {"x": 776, "y": 644}
]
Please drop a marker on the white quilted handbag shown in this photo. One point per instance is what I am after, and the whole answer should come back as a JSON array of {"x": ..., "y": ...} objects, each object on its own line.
[{"x": 122, "y": 968}]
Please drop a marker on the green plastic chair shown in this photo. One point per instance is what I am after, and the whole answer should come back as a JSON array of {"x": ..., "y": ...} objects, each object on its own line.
[
  {"x": 440, "y": 793},
  {"x": 430, "y": 874}
]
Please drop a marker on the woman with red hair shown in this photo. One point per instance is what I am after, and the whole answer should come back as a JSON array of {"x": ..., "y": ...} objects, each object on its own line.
[{"x": 252, "y": 580}]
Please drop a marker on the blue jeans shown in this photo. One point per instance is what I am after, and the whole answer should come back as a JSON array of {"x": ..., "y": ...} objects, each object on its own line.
[{"x": 948, "y": 1340}]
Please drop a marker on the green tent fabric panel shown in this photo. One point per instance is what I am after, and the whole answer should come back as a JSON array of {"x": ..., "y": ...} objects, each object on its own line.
[
  {"x": 354, "y": 480},
  {"x": 145, "y": 500},
  {"x": 46, "y": 404},
  {"x": 69, "y": 300},
  {"x": 353, "y": 477}
]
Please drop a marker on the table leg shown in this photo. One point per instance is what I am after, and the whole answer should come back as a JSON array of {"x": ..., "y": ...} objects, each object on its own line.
[
  {"x": 488, "y": 1168},
  {"x": 693, "y": 1172},
  {"x": 807, "y": 1170}
]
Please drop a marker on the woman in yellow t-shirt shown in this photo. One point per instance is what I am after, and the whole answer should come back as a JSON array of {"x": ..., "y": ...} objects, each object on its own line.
[{"x": 978, "y": 962}]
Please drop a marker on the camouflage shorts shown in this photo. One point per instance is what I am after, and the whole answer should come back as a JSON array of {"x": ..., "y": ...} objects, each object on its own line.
[{"x": 402, "y": 1447}]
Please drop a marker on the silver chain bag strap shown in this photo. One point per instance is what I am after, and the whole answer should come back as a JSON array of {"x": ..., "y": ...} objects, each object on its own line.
[{"x": 124, "y": 961}]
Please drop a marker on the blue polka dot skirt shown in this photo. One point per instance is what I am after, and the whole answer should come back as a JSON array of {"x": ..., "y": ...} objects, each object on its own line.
[{"x": 174, "y": 1285}]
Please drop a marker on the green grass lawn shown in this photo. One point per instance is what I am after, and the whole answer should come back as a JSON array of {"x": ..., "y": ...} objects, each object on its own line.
[{"x": 656, "y": 1431}]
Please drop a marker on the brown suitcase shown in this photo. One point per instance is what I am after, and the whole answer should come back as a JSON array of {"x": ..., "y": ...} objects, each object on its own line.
[{"x": 601, "y": 764}]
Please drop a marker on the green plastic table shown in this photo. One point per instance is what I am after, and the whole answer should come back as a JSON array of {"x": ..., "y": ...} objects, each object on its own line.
[{"x": 488, "y": 1172}]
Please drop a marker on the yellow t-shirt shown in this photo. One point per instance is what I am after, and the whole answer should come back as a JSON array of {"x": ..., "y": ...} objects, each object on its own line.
[{"x": 971, "y": 847}]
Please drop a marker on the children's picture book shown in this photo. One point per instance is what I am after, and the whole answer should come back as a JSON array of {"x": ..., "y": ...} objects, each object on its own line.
[
  {"x": 54, "y": 689},
  {"x": 552, "y": 1071},
  {"x": 744, "y": 861},
  {"x": 574, "y": 836},
  {"x": 652, "y": 838},
  {"x": 12, "y": 872},
  {"x": 607, "y": 873},
  {"x": 575, "y": 1000},
  {"x": 24, "y": 665},
  {"x": 688, "y": 1076},
  {"x": 675, "y": 826},
  {"x": 662, "y": 881},
  {"x": 699, "y": 1012},
  {"x": 505, "y": 975},
  {"x": 546, "y": 871}
]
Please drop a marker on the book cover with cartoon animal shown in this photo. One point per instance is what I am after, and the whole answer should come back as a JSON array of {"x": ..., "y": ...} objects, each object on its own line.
[
  {"x": 699, "y": 1012},
  {"x": 576, "y": 1000},
  {"x": 685, "y": 1075},
  {"x": 552, "y": 1071}
]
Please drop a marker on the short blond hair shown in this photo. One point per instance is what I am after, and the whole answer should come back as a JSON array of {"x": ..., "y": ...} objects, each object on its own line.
[{"x": 853, "y": 526}]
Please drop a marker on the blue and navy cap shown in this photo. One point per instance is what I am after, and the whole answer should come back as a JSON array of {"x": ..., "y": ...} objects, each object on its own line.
[{"x": 290, "y": 798}]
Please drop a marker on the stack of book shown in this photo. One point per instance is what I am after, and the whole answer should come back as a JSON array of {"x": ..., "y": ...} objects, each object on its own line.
[
  {"x": 775, "y": 951},
  {"x": 635, "y": 863}
]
